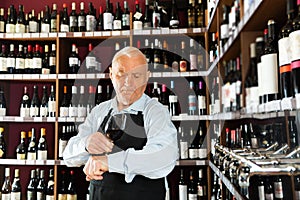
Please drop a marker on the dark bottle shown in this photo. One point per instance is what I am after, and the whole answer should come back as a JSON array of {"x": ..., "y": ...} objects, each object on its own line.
[
  {"x": 11, "y": 20},
  {"x": 201, "y": 97},
  {"x": 183, "y": 64},
  {"x": 261, "y": 188},
  {"x": 278, "y": 188},
  {"x": 126, "y": 17},
  {"x": 224, "y": 28},
  {"x": 201, "y": 186},
  {"x": 28, "y": 60},
  {"x": 53, "y": 19},
  {"x": 90, "y": 60},
  {"x": 73, "y": 106},
  {"x": 20, "y": 25},
  {"x": 174, "y": 20},
  {"x": 73, "y": 19},
  {"x": 297, "y": 187},
  {"x": 137, "y": 17},
  {"x": 269, "y": 60},
  {"x": 51, "y": 103},
  {"x": 182, "y": 186},
  {"x": 200, "y": 12},
  {"x": 3, "y": 146},
  {"x": 32, "y": 186},
  {"x": 35, "y": 103},
  {"x": 6, "y": 187},
  {"x": 44, "y": 103},
  {"x": 192, "y": 187},
  {"x": 194, "y": 143},
  {"x": 21, "y": 149},
  {"x": 82, "y": 102},
  {"x": 32, "y": 147},
  {"x": 156, "y": 19},
  {"x": 91, "y": 18},
  {"x": 50, "y": 185},
  {"x": 100, "y": 96},
  {"x": 173, "y": 101},
  {"x": 213, "y": 48},
  {"x": 42, "y": 147},
  {"x": 117, "y": 22},
  {"x": 41, "y": 187},
  {"x": 62, "y": 143},
  {"x": 82, "y": 18},
  {"x": 147, "y": 16},
  {"x": 2, "y": 103},
  {"x": 64, "y": 19},
  {"x": 25, "y": 104},
  {"x": 37, "y": 60},
  {"x": 269, "y": 195},
  {"x": 91, "y": 100},
  {"x": 3, "y": 60},
  {"x": 191, "y": 13},
  {"x": 100, "y": 20},
  {"x": 108, "y": 94},
  {"x": 20, "y": 61},
  {"x": 64, "y": 106},
  {"x": 238, "y": 85},
  {"x": 192, "y": 99},
  {"x": 164, "y": 96},
  {"x": 73, "y": 60},
  {"x": 293, "y": 134},
  {"x": 45, "y": 23},
  {"x": 52, "y": 59},
  {"x": 107, "y": 17},
  {"x": 33, "y": 23},
  {"x": 45, "y": 61},
  {"x": 62, "y": 187},
  {"x": 202, "y": 145},
  {"x": 16, "y": 189},
  {"x": 193, "y": 55},
  {"x": 71, "y": 192},
  {"x": 11, "y": 60},
  {"x": 2, "y": 21},
  {"x": 155, "y": 92},
  {"x": 157, "y": 57}
]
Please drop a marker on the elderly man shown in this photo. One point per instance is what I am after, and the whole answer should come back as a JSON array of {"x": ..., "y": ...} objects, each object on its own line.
[{"x": 126, "y": 159}]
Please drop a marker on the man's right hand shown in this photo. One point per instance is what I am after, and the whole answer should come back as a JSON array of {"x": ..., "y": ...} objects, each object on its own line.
[{"x": 98, "y": 143}]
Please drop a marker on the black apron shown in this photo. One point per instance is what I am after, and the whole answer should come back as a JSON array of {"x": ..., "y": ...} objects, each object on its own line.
[{"x": 113, "y": 185}]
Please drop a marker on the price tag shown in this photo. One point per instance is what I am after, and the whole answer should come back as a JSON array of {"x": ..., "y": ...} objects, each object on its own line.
[
  {"x": 286, "y": 103},
  {"x": 72, "y": 76},
  {"x": 38, "y": 119},
  {"x": 44, "y": 76},
  {"x": 268, "y": 107},
  {"x": 50, "y": 119},
  {"x": 52, "y": 34},
  {"x": 196, "y": 30},
  {"x": 80, "y": 119},
  {"x": 116, "y": 33},
  {"x": 35, "y": 76},
  {"x": 51, "y": 76},
  {"x": 62, "y": 119},
  {"x": 9, "y": 35},
  {"x": 44, "y": 35},
  {"x": 184, "y": 74},
  {"x": 156, "y": 74},
  {"x": 70, "y": 119},
  {"x": 166, "y": 74},
  {"x": 165, "y": 31},
  {"x": 98, "y": 33},
  {"x": 35, "y": 35},
  {"x": 194, "y": 73},
  {"x": 91, "y": 76},
  {"x": 137, "y": 32},
  {"x": 126, "y": 32},
  {"x": 183, "y": 30},
  {"x": 174, "y": 31},
  {"x": 106, "y": 33},
  {"x": 19, "y": 119},
  {"x": 146, "y": 32},
  {"x": 156, "y": 31},
  {"x": 297, "y": 97},
  {"x": 89, "y": 34},
  {"x": 18, "y": 76},
  {"x": 18, "y": 35},
  {"x": 62, "y": 76},
  {"x": 81, "y": 76}
]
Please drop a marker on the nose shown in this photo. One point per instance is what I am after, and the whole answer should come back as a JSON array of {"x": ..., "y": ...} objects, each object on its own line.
[{"x": 128, "y": 80}]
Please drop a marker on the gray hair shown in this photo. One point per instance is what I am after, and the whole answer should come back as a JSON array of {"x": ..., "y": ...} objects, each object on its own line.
[{"x": 128, "y": 52}]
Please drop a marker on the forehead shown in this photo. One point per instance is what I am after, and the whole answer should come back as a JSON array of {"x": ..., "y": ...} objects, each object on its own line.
[{"x": 130, "y": 64}]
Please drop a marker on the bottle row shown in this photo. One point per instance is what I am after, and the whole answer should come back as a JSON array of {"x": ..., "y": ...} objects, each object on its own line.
[{"x": 154, "y": 16}]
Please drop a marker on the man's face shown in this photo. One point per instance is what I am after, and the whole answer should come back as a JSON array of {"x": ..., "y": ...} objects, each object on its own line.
[{"x": 129, "y": 77}]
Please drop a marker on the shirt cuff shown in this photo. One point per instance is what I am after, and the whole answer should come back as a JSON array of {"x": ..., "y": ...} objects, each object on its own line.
[{"x": 116, "y": 162}]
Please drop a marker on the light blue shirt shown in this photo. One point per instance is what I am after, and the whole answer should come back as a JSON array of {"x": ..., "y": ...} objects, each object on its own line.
[{"x": 157, "y": 158}]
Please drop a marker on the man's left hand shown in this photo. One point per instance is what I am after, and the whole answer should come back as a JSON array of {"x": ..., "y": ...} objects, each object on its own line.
[{"x": 95, "y": 167}]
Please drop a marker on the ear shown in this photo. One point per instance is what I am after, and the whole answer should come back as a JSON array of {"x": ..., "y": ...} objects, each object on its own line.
[
  {"x": 110, "y": 73},
  {"x": 148, "y": 75}
]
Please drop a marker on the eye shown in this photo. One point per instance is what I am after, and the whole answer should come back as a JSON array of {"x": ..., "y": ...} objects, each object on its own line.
[{"x": 137, "y": 75}]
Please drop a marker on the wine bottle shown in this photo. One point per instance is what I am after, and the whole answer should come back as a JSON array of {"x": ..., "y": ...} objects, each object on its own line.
[
  {"x": 73, "y": 60},
  {"x": 174, "y": 20},
  {"x": 51, "y": 103},
  {"x": 11, "y": 20},
  {"x": 297, "y": 187},
  {"x": 3, "y": 147},
  {"x": 156, "y": 18},
  {"x": 6, "y": 187},
  {"x": 2, "y": 103},
  {"x": 71, "y": 192},
  {"x": 213, "y": 48},
  {"x": 37, "y": 60},
  {"x": 73, "y": 106},
  {"x": 33, "y": 23},
  {"x": 192, "y": 100},
  {"x": 3, "y": 60},
  {"x": 91, "y": 18},
  {"x": 193, "y": 148},
  {"x": 25, "y": 104},
  {"x": 192, "y": 187},
  {"x": 224, "y": 28},
  {"x": 99, "y": 26},
  {"x": 126, "y": 17},
  {"x": 52, "y": 59},
  {"x": 64, "y": 22},
  {"x": 278, "y": 188},
  {"x": 200, "y": 14},
  {"x": 62, "y": 187},
  {"x": 62, "y": 143},
  {"x": 82, "y": 18},
  {"x": 32, "y": 147},
  {"x": 183, "y": 64},
  {"x": 191, "y": 13},
  {"x": 173, "y": 101},
  {"x": 35, "y": 103},
  {"x": 193, "y": 56},
  {"x": 164, "y": 96},
  {"x": 44, "y": 103},
  {"x": 50, "y": 186},
  {"x": 45, "y": 61},
  {"x": 16, "y": 190},
  {"x": 182, "y": 186},
  {"x": 183, "y": 144},
  {"x": 202, "y": 146},
  {"x": 100, "y": 96},
  {"x": 261, "y": 188},
  {"x": 21, "y": 149},
  {"x": 90, "y": 60},
  {"x": 42, "y": 147},
  {"x": 147, "y": 17},
  {"x": 32, "y": 186},
  {"x": 107, "y": 17},
  {"x": 201, "y": 97},
  {"x": 201, "y": 186},
  {"x": 2, "y": 21},
  {"x": 28, "y": 60},
  {"x": 64, "y": 107},
  {"x": 137, "y": 17},
  {"x": 41, "y": 187},
  {"x": 157, "y": 67},
  {"x": 91, "y": 100},
  {"x": 20, "y": 25},
  {"x": 82, "y": 103},
  {"x": 53, "y": 19},
  {"x": 73, "y": 26},
  {"x": 155, "y": 92},
  {"x": 293, "y": 134},
  {"x": 117, "y": 21},
  {"x": 20, "y": 61},
  {"x": 11, "y": 60},
  {"x": 45, "y": 23}
]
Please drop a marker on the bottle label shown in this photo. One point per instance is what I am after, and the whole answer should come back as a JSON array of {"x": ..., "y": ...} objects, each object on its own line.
[
  {"x": 71, "y": 197},
  {"x": 254, "y": 97},
  {"x": 73, "y": 61},
  {"x": 81, "y": 21},
  {"x": 11, "y": 62},
  {"x": 2, "y": 111},
  {"x": 20, "y": 63},
  {"x": 2, "y": 26},
  {"x": 254, "y": 143},
  {"x": 284, "y": 50},
  {"x": 37, "y": 63},
  {"x": 10, "y": 28},
  {"x": 175, "y": 65},
  {"x": 15, "y": 195},
  {"x": 20, "y": 28},
  {"x": 49, "y": 197},
  {"x": 40, "y": 196},
  {"x": 174, "y": 23},
  {"x": 62, "y": 196},
  {"x": 200, "y": 190},
  {"x": 21, "y": 156},
  {"x": 202, "y": 153},
  {"x": 259, "y": 78},
  {"x": 73, "y": 111},
  {"x": 137, "y": 16},
  {"x": 73, "y": 21},
  {"x": 28, "y": 63},
  {"x": 193, "y": 62},
  {"x": 270, "y": 196},
  {"x": 183, "y": 66},
  {"x": 278, "y": 190},
  {"x": 126, "y": 19},
  {"x": 137, "y": 25},
  {"x": 192, "y": 102},
  {"x": 62, "y": 145},
  {"x": 91, "y": 22},
  {"x": 90, "y": 62},
  {"x": 156, "y": 20},
  {"x": 81, "y": 111},
  {"x": 63, "y": 111},
  {"x": 3, "y": 64},
  {"x": 45, "y": 28},
  {"x": 53, "y": 24},
  {"x": 224, "y": 31},
  {"x": 117, "y": 24},
  {"x": 31, "y": 156},
  {"x": 173, "y": 99},
  {"x": 45, "y": 71},
  {"x": 192, "y": 196},
  {"x": 64, "y": 28},
  {"x": 31, "y": 195},
  {"x": 193, "y": 153},
  {"x": 24, "y": 112},
  {"x": 52, "y": 61},
  {"x": 295, "y": 45},
  {"x": 183, "y": 150},
  {"x": 201, "y": 102},
  {"x": 107, "y": 21},
  {"x": 269, "y": 73},
  {"x": 6, "y": 197},
  {"x": 182, "y": 192},
  {"x": 261, "y": 192},
  {"x": 42, "y": 154},
  {"x": 33, "y": 27},
  {"x": 51, "y": 106},
  {"x": 34, "y": 111}
]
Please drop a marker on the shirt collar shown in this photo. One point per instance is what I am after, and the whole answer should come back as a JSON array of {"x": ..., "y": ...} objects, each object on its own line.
[{"x": 133, "y": 108}]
